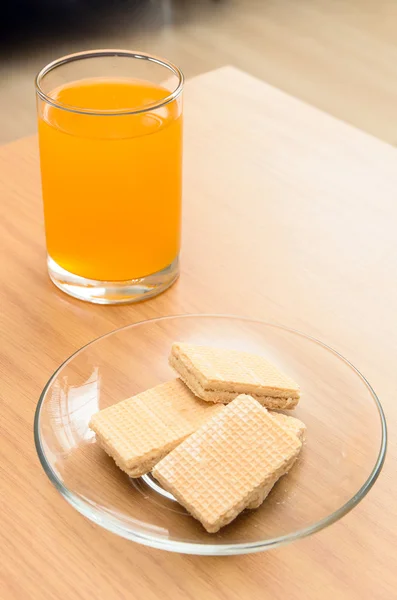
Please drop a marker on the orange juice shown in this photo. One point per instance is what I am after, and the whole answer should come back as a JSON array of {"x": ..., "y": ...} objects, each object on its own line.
[{"x": 111, "y": 182}]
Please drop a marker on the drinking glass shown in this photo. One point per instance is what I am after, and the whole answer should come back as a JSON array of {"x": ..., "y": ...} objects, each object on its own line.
[{"x": 110, "y": 136}]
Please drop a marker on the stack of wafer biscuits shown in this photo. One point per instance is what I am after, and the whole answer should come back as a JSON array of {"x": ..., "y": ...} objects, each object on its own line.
[
  {"x": 208, "y": 437},
  {"x": 228, "y": 463},
  {"x": 141, "y": 430}
]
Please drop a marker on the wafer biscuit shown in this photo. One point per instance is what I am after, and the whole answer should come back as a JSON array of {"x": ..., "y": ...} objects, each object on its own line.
[
  {"x": 218, "y": 470},
  {"x": 218, "y": 375},
  {"x": 294, "y": 426},
  {"x": 141, "y": 430}
]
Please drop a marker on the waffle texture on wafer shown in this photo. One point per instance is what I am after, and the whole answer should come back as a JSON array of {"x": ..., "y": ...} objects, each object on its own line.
[
  {"x": 221, "y": 468},
  {"x": 217, "y": 375},
  {"x": 294, "y": 426},
  {"x": 141, "y": 430}
]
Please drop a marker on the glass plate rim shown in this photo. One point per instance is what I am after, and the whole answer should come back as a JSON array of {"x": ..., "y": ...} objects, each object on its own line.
[{"x": 85, "y": 507}]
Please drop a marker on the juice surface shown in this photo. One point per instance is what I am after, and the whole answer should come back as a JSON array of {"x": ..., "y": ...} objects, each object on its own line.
[{"x": 111, "y": 183}]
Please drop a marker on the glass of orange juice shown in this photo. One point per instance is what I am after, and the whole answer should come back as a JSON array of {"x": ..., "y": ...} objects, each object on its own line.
[{"x": 110, "y": 135}]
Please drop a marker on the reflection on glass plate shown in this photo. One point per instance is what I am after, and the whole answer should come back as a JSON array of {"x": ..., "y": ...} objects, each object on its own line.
[{"x": 341, "y": 459}]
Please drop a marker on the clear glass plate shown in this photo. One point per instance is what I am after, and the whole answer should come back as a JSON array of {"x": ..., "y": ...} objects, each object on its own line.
[{"x": 340, "y": 461}]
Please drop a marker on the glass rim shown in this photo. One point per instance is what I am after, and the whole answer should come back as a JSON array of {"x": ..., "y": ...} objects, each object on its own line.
[
  {"x": 102, "y": 54},
  {"x": 89, "y": 510}
]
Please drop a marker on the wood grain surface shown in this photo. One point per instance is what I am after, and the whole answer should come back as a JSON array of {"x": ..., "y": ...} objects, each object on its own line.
[{"x": 290, "y": 217}]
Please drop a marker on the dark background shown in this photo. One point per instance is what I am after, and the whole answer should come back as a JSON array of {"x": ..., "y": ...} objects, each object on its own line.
[{"x": 338, "y": 55}]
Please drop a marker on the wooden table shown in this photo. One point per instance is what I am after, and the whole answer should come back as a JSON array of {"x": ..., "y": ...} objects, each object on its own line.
[{"x": 290, "y": 216}]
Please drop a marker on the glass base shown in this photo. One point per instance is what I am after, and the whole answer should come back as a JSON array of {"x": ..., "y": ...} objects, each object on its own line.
[{"x": 113, "y": 292}]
